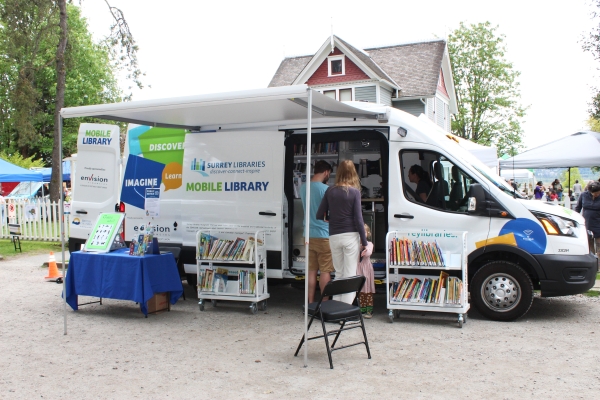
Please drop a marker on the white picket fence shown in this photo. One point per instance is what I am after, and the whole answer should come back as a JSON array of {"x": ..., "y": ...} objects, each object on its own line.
[{"x": 38, "y": 220}]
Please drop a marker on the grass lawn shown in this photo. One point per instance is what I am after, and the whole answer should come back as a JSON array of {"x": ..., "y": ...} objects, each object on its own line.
[{"x": 7, "y": 249}]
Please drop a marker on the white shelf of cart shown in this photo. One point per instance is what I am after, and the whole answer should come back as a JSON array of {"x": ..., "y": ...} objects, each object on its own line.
[
  {"x": 232, "y": 290},
  {"x": 453, "y": 245}
]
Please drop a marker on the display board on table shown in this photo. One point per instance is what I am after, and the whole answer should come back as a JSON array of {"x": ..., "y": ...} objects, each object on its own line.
[{"x": 105, "y": 233}]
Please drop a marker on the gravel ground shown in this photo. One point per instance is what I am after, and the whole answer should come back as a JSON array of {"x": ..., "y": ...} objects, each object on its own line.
[{"x": 111, "y": 351}]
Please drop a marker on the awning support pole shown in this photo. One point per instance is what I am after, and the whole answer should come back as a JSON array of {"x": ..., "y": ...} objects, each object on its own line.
[
  {"x": 61, "y": 212},
  {"x": 307, "y": 222}
]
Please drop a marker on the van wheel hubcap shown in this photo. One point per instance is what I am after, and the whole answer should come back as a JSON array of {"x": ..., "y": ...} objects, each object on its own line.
[{"x": 501, "y": 292}]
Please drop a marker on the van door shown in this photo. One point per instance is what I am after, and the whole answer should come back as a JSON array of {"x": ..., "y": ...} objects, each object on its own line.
[
  {"x": 235, "y": 180},
  {"x": 428, "y": 190},
  {"x": 154, "y": 159},
  {"x": 96, "y": 187}
]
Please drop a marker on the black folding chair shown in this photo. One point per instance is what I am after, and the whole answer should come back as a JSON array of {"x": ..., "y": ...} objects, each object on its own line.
[
  {"x": 175, "y": 251},
  {"x": 339, "y": 312}
]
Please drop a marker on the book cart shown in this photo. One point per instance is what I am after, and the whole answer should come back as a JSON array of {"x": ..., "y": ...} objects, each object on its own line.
[
  {"x": 427, "y": 271},
  {"x": 241, "y": 273}
]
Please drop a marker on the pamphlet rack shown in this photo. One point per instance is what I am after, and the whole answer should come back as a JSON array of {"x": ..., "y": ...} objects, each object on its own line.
[
  {"x": 426, "y": 270},
  {"x": 232, "y": 265}
]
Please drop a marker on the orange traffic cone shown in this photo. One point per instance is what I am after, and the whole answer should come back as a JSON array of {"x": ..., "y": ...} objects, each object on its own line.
[{"x": 53, "y": 274}]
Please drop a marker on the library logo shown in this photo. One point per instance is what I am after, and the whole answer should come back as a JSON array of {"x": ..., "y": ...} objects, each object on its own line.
[
  {"x": 528, "y": 233},
  {"x": 199, "y": 166}
]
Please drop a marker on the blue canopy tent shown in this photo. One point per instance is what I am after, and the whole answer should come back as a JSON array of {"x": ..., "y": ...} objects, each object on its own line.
[
  {"x": 66, "y": 170},
  {"x": 12, "y": 173}
]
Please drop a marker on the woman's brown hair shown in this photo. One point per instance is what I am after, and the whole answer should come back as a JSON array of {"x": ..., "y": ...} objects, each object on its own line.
[{"x": 346, "y": 175}]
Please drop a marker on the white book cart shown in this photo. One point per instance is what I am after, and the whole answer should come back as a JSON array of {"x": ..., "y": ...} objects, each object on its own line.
[
  {"x": 245, "y": 264},
  {"x": 414, "y": 272}
]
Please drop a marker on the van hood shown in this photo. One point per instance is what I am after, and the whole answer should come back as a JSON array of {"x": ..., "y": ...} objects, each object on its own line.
[{"x": 533, "y": 205}]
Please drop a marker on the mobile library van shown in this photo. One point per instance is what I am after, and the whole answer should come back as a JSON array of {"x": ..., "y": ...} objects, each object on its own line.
[{"x": 237, "y": 160}]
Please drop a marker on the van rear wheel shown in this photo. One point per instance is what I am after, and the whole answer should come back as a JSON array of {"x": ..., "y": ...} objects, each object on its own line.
[{"x": 502, "y": 291}]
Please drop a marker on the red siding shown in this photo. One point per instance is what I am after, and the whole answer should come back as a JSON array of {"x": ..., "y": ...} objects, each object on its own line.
[
  {"x": 353, "y": 73},
  {"x": 442, "y": 85}
]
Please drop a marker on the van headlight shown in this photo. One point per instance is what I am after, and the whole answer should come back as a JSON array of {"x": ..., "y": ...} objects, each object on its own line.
[{"x": 555, "y": 225}]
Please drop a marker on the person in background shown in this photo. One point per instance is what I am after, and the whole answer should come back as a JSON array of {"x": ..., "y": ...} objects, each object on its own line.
[
  {"x": 589, "y": 203},
  {"x": 539, "y": 191},
  {"x": 552, "y": 196},
  {"x": 365, "y": 268},
  {"x": 577, "y": 189},
  {"x": 416, "y": 174},
  {"x": 319, "y": 252},
  {"x": 2, "y": 206},
  {"x": 558, "y": 189},
  {"x": 347, "y": 237}
]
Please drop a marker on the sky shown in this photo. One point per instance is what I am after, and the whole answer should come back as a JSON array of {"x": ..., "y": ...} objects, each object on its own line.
[{"x": 189, "y": 47}]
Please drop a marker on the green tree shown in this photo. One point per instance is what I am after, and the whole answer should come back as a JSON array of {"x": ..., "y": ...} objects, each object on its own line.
[
  {"x": 18, "y": 159},
  {"x": 591, "y": 43},
  {"x": 487, "y": 89},
  {"x": 47, "y": 64},
  {"x": 575, "y": 176},
  {"x": 29, "y": 80}
]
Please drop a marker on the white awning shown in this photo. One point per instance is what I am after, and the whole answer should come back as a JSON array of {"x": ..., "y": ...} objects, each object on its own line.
[{"x": 270, "y": 106}]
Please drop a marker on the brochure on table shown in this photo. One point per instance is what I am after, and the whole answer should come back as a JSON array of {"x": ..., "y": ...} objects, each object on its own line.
[{"x": 106, "y": 229}]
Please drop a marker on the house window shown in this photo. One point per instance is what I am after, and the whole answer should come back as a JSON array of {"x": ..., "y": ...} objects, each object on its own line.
[
  {"x": 345, "y": 94},
  {"x": 339, "y": 94},
  {"x": 336, "y": 65},
  {"x": 330, "y": 93}
]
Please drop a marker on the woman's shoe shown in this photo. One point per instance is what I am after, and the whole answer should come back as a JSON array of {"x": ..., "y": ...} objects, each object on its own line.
[{"x": 368, "y": 315}]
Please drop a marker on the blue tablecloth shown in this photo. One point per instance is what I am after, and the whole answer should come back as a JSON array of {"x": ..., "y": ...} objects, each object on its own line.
[{"x": 117, "y": 275}]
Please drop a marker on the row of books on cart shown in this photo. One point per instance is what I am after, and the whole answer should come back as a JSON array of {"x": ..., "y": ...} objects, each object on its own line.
[
  {"x": 217, "y": 280},
  {"x": 317, "y": 148},
  {"x": 429, "y": 290},
  {"x": 404, "y": 251},
  {"x": 213, "y": 248}
]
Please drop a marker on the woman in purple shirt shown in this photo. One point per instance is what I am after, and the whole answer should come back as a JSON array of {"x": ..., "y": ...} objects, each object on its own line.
[{"x": 347, "y": 237}]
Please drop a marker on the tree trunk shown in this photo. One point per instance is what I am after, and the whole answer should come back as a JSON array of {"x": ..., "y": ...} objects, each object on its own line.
[{"x": 56, "y": 180}]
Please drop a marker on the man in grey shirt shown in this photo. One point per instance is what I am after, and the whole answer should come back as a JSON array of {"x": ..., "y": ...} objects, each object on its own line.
[{"x": 577, "y": 190}]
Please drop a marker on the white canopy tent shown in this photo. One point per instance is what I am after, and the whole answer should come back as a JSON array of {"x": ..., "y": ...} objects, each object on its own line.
[
  {"x": 582, "y": 149},
  {"x": 261, "y": 107},
  {"x": 523, "y": 175}
]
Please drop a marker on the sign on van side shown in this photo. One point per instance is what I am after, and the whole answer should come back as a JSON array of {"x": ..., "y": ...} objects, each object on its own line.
[{"x": 97, "y": 137}]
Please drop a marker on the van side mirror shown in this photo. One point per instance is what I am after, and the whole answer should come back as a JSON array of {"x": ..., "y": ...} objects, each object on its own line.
[{"x": 476, "y": 203}]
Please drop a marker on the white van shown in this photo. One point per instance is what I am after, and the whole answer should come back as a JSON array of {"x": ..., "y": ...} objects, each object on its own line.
[{"x": 247, "y": 174}]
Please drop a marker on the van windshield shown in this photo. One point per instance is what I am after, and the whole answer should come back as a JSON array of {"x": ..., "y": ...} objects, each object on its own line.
[{"x": 500, "y": 183}]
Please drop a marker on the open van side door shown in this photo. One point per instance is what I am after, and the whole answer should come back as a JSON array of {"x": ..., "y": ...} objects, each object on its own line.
[
  {"x": 235, "y": 180},
  {"x": 96, "y": 186}
]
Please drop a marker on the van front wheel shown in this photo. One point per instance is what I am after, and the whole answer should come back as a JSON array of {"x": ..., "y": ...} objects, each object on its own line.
[{"x": 502, "y": 291}]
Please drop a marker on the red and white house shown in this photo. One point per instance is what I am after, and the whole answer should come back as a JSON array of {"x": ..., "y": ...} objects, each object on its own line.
[{"x": 414, "y": 77}]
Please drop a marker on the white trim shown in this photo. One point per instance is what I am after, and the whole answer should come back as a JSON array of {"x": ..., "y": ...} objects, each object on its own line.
[
  {"x": 449, "y": 82},
  {"x": 322, "y": 87},
  {"x": 377, "y": 93},
  {"x": 340, "y": 57},
  {"x": 412, "y": 97}
]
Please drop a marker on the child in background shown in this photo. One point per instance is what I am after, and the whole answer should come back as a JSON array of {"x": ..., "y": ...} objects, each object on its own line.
[{"x": 365, "y": 268}]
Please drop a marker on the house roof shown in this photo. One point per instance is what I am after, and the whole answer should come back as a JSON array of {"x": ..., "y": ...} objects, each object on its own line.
[{"x": 414, "y": 68}]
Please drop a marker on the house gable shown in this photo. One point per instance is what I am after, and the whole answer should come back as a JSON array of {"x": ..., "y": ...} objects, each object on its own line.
[
  {"x": 322, "y": 77},
  {"x": 395, "y": 75}
]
